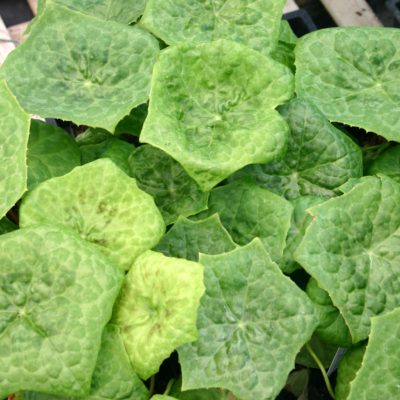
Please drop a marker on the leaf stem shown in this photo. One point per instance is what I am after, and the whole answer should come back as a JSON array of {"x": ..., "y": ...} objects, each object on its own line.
[
  {"x": 152, "y": 385},
  {"x": 169, "y": 387},
  {"x": 322, "y": 369}
]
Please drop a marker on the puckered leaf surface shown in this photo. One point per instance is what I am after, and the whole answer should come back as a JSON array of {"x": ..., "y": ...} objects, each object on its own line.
[
  {"x": 114, "y": 10},
  {"x": 252, "y": 322},
  {"x": 157, "y": 309},
  {"x": 387, "y": 163},
  {"x": 51, "y": 153},
  {"x": 253, "y": 23},
  {"x": 14, "y": 131},
  {"x": 174, "y": 191},
  {"x": 56, "y": 295},
  {"x": 103, "y": 205},
  {"x": 187, "y": 239},
  {"x": 379, "y": 374},
  {"x": 347, "y": 371},
  {"x": 248, "y": 211},
  {"x": 351, "y": 249},
  {"x": 319, "y": 157},
  {"x": 353, "y": 75},
  {"x": 212, "y": 108},
  {"x": 81, "y": 69}
]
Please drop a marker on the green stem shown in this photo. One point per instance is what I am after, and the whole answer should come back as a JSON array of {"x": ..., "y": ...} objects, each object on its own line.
[
  {"x": 152, "y": 385},
  {"x": 322, "y": 369},
  {"x": 169, "y": 387}
]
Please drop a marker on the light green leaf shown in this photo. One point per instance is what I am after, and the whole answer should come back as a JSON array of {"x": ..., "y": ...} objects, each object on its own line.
[
  {"x": 353, "y": 75},
  {"x": 103, "y": 205},
  {"x": 212, "y": 108},
  {"x": 253, "y": 23},
  {"x": 51, "y": 153},
  {"x": 298, "y": 225},
  {"x": 186, "y": 239},
  {"x": 351, "y": 249},
  {"x": 81, "y": 69},
  {"x": 319, "y": 157},
  {"x": 331, "y": 329},
  {"x": 284, "y": 50},
  {"x": 98, "y": 143},
  {"x": 7, "y": 226},
  {"x": 113, "y": 377},
  {"x": 248, "y": 211},
  {"x": 347, "y": 371},
  {"x": 162, "y": 397},
  {"x": 113, "y": 10},
  {"x": 157, "y": 309},
  {"x": 379, "y": 375},
  {"x": 387, "y": 163},
  {"x": 174, "y": 191},
  {"x": 14, "y": 132},
  {"x": 252, "y": 322},
  {"x": 56, "y": 295},
  {"x": 200, "y": 394}
]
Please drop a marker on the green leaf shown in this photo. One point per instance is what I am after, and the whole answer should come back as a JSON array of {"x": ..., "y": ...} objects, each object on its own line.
[
  {"x": 347, "y": 371},
  {"x": 110, "y": 10},
  {"x": 324, "y": 351},
  {"x": 132, "y": 124},
  {"x": 56, "y": 295},
  {"x": 212, "y": 108},
  {"x": 319, "y": 157},
  {"x": 14, "y": 132},
  {"x": 51, "y": 153},
  {"x": 253, "y": 23},
  {"x": 174, "y": 191},
  {"x": 81, "y": 69},
  {"x": 252, "y": 322},
  {"x": 387, "y": 163},
  {"x": 98, "y": 143},
  {"x": 7, "y": 226},
  {"x": 353, "y": 75},
  {"x": 187, "y": 239},
  {"x": 157, "y": 309},
  {"x": 113, "y": 377},
  {"x": 284, "y": 50},
  {"x": 248, "y": 211},
  {"x": 298, "y": 225},
  {"x": 162, "y": 397},
  {"x": 103, "y": 205},
  {"x": 379, "y": 375},
  {"x": 350, "y": 248},
  {"x": 331, "y": 329}
]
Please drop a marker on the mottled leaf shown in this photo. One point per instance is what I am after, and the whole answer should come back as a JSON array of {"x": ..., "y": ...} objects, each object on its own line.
[
  {"x": 350, "y": 248},
  {"x": 248, "y": 211},
  {"x": 174, "y": 191},
  {"x": 212, "y": 108},
  {"x": 353, "y": 75},
  {"x": 103, "y": 205},
  {"x": 387, "y": 163},
  {"x": 331, "y": 329},
  {"x": 347, "y": 371},
  {"x": 298, "y": 225},
  {"x": 379, "y": 374},
  {"x": 319, "y": 157},
  {"x": 51, "y": 152},
  {"x": 252, "y": 322},
  {"x": 98, "y": 143},
  {"x": 56, "y": 295},
  {"x": 157, "y": 309},
  {"x": 114, "y": 10},
  {"x": 14, "y": 131},
  {"x": 253, "y": 23},
  {"x": 187, "y": 239},
  {"x": 81, "y": 69}
]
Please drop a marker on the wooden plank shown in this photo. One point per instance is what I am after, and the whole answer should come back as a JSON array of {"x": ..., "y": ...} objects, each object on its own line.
[
  {"x": 6, "y": 45},
  {"x": 290, "y": 6},
  {"x": 17, "y": 31},
  {"x": 33, "y": 6},
  {"x": 351, "y": 12}
]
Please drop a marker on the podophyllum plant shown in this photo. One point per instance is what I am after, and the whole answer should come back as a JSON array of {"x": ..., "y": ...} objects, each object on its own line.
[{"x": 283, "y": 228}]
